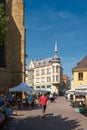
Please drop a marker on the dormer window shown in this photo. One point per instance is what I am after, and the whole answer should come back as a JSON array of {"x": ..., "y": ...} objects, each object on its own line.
[
  {"x": 44, "y": 63},
  {"x": 49, "y": 61},
  {"x": 38, "y": 63}
]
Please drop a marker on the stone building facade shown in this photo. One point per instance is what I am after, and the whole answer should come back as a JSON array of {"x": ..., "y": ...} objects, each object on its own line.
[
  {"x": 12, "y": 56},
  {"x": 46, "y": 74}
]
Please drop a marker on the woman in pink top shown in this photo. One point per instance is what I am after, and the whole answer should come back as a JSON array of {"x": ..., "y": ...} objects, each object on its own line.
[{"x": 43, "y": 102}]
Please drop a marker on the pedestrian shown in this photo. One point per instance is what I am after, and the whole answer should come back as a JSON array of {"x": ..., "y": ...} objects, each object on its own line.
[
  {"x": 9, "y": 96},
  {"x": 43, "y": 102},
  {"x": 8, "y": 110},
  {"x": 51, "y": 97},
  {"x": 3, "y": 117},
  {"x": 30, "y": 99}
]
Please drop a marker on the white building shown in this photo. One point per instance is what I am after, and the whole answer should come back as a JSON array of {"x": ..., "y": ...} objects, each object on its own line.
[{"x": 46, "y": 74}]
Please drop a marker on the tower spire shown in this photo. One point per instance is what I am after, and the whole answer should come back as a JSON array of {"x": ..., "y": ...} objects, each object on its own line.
[
  {"x": 55, "y": 58},
  {"x": 56, "y": 46},
  {"x": 56, "y": 51}
]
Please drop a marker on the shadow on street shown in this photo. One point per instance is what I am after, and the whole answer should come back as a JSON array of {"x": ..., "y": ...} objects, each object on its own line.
[{"x": 50, "y": 122}]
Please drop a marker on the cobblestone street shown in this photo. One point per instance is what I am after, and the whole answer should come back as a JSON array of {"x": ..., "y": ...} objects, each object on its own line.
[{"x": 59, "y": 116}]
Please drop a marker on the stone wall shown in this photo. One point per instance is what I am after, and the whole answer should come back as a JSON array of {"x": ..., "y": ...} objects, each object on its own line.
[{"x": 14, "y": 73}]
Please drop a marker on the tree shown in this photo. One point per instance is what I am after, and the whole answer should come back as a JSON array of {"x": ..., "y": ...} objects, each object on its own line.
[{"x": 3, "y": 23}]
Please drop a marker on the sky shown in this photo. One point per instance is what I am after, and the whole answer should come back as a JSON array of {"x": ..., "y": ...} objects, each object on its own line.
[{"x": 61, "y": 21}]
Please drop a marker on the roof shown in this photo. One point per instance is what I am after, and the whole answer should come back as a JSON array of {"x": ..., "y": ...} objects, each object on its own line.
[
  {"x": 48, "y": 61},
  {"x": 82, "y": 64},
  {"x": 44, "y": 62}
]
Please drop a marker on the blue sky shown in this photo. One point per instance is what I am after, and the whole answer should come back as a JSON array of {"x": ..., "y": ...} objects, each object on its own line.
[{"x": 64, "y": 21}]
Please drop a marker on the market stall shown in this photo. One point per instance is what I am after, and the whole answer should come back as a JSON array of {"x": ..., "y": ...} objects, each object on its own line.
[
  {"x": 21, "y": 89},
  {"x": 81, "y": 98}
]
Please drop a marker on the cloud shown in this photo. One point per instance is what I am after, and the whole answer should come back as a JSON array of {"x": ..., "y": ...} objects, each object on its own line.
[
  {"x": 43, "y": 28},
  {"x": 65, "y": 15},
  {"x": 61, "y": 14}
]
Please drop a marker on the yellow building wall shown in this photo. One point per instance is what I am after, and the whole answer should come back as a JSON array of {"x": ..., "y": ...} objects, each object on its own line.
[{"x": 77, "y": 82}]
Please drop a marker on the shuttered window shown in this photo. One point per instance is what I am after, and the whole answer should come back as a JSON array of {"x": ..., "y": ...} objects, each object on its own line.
[{"x": 80, "y": 76}]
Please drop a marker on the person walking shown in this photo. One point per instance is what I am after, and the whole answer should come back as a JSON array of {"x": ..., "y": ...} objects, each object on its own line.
[
  {"x": 30, "y": 99},
  {"x": 43, "y": 102}
]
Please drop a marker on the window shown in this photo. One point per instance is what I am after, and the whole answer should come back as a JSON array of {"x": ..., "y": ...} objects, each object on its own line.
[
  {"x": 42, "y": 79},
  {"x": 53, "y": 78},
  {"x": 48, "y": 71},
  {"x": 48, "y": 79},
  {"x": 49, "y": 61},
  {"x": 53, "y": 68},
  {"x": 57, "y": 68},
  {"x": 48, "y": 86},
  {"x": 42, "y": 86},
  {"x": 42, "y": 72},
  {"x": 2, "y": 55},
  {"x": 44, "y": 63},
  {"x": 37, "y": 86},
  {"x": 38, "y": 64},
  {"x": 30, "y": 72},
  {"x": 37, "y": 80},
  {"x": 37, "y": 72},
  {"x": 2, "y": 47},
  {"x": 57, "y": 78},
  {"x": 80, "y": 76}
]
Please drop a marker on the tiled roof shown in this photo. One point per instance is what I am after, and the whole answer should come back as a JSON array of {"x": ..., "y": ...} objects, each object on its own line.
[
  {"x": 45, "y": 62},
  {"x": 42, "y": 62},
  {"x": 82, "y": 64}
]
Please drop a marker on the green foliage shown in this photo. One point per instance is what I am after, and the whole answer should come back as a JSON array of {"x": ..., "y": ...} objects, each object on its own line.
[{"x": 3, "y": 23}]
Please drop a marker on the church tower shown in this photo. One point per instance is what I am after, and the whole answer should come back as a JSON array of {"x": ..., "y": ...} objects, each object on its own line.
[{"x": 13, "y": 72}]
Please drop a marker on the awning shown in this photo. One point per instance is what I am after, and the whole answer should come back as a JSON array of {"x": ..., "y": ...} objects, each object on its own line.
[
  {"x": 42, "y": 89},
  {"x": 21, "y": 87},
  {"x": 84, "y": 87},
  {"x": 70, "y": 91},
  {"x": 80, "y": 92}
]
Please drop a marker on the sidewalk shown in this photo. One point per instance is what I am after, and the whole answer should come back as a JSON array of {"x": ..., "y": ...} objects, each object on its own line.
[{"x": 59, "y": 116}]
